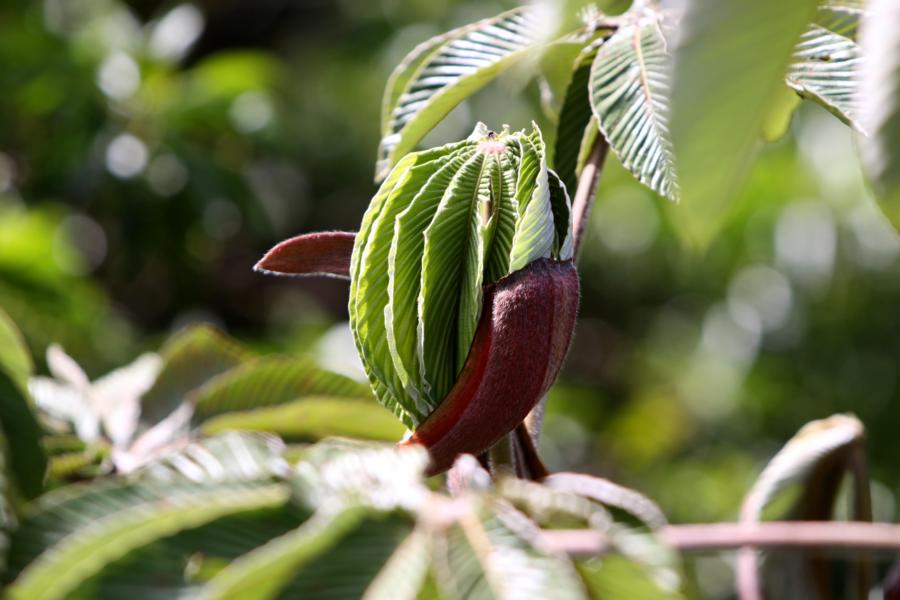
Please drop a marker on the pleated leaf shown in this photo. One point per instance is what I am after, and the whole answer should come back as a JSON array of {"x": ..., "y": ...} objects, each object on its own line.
[
  {"x": 446, "y": 222},
  {"x": 492, "y": 556},
  {"x": 819, "y": 444},
  {"x": 333, "y": 555},
  {"x": 629, "y": 91},
  {"x": 840, "y": 16},
  {"x": 270, "y": 381},
  {"x": 345, "y": 473},
  {"x": 825, "y": 69},
  {"x": 180, "y": 565},
  {"x": 190, "y": 359},
  {"x": 880, "y": 103},
  {"x": 114, "y": 520},
  {"x": 574, "y": 119},
  {"x": 313, "y": 418},
  {"x": 72, "y": 533},
  {"x": 404, "y": 574},
  {"x": 370, "y": 281},
  {"x": 439, "y": 75}
]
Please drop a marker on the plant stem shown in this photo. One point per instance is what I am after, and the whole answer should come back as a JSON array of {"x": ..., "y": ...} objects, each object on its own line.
[
  {"x": 581, "y": 213},
  {"x": 587, "y": 191},
  {"x": 728, "y": 536}
]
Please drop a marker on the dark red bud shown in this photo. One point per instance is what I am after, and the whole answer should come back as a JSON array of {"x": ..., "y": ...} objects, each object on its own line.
[
  {"x": 522, "y": 339},
  {"x": 320, "y": 253}
]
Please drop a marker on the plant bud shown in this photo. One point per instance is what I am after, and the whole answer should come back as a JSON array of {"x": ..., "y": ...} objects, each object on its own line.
[
  {"x": 463, "y": 295},
  {"x": 445, "y": 223}
]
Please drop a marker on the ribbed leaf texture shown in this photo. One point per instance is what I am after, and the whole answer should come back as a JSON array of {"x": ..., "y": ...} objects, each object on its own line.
[
  {"x": 629, "y": 90},
  {"x": 446, "y": 222},
  {"x": 227, "y": 518},
  {"x": 840, "y": 16},
  {"x": 825, "y": 69},
  {"x": 440, "y": 73},
  {"x": 72, "y": 533}
]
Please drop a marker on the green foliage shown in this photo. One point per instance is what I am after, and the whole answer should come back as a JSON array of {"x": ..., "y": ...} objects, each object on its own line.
[
  {"x": 440, "y": 73},
  {"x": 227, "y": 517},
  {"x": 723, "y": 81},
  {"x": 880, "y": 99},
  {"x": 20, "y": 430},
  {"x": 446, "y": 222},
  {"x": 629, "y": 85}
]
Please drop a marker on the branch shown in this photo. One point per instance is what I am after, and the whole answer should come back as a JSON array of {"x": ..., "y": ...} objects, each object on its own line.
[
  {"x": 728, "y": 536},
  {"x": 587, "y": 189}
]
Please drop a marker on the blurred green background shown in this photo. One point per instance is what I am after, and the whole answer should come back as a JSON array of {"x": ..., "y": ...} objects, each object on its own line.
[{"x": 150, "y": 152}]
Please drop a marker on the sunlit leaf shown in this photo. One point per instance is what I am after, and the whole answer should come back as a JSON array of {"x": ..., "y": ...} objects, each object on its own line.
[
  {"x": 840, "y": 16},
  {"x": 353, "y": 473},
  {"x": 629, "y": 91},
  {"x": 404, "y": 574},
  {"x": 314, "y": 418},
  {"x": 180, "y": 565},
  {"x": 108, "y": 521},
  {"x": 825, "y": 69},
  {"x": 617, "y": 578},
  {"x": 264, "y": 572},
  {"x": 270, "y": 381},
  {"x": 729, "y": 58},
  {"x": 492, "y": 556},
  {"x": 611, "y": 495},
  {"x": 438, "y": 76},
  {"x": 73, "y": 532},
  {"x": 880, "y": 103}
]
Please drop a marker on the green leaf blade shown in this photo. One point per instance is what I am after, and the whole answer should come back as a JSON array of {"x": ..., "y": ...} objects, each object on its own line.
[
  {"x": 825, "y": 69},
  {"x": 457, "y": 69},
  {"x": 728, "y": 60},
  {"x": 629, "y": 90}
]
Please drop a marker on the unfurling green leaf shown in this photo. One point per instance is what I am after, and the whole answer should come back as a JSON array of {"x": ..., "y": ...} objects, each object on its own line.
[
  {"x": 444, "y": 223},
  {"x": 440, "y": 73}
]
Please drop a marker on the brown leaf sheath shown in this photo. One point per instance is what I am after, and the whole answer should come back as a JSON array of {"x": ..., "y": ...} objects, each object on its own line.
[
  {"x": 521, "y": 341},
  {"x": 320, "y": 253}
]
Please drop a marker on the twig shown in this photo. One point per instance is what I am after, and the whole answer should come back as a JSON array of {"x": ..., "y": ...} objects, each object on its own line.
[
  {"x": 587, "y": 189},
  {"x": 728, "y": 536}
]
